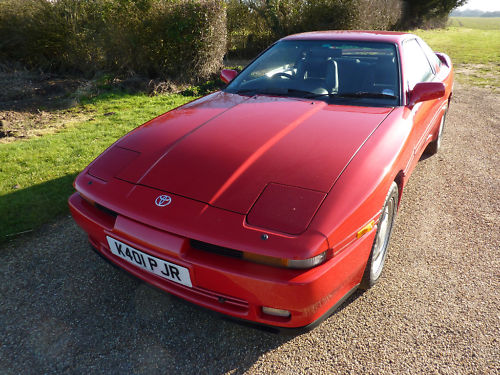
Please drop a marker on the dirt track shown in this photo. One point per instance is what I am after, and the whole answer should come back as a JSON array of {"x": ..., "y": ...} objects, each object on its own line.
[{"x": 435, "y": 310}]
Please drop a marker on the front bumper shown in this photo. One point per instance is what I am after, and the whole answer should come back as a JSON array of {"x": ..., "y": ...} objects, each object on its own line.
[{"x": 233, "y": 287}]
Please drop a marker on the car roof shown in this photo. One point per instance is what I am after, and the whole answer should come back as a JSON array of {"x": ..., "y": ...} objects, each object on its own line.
[{"x": 359, "y": 35}]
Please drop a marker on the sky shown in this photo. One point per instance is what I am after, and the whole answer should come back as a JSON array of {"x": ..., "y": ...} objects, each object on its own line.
[{"x": 486, "y": 5}]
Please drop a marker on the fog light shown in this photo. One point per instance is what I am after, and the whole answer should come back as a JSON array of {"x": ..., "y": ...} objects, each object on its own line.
[{"x": 276, "y": 312}]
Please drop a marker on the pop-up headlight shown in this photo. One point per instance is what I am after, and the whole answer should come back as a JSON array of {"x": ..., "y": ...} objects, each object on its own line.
[
  {"x": 112, "y": 161},
  {"x": 286, "y": 209}
]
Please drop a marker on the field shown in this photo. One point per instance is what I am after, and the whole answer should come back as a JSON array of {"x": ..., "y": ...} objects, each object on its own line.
[
  {"x": 474, "y": 49},
  {"x": 482, "y": 23},
  {"x": 37, "y": 167}
]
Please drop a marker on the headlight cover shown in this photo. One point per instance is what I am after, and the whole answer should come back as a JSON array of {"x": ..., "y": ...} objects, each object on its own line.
[
  {"x": 286, "y": 209},
  {"x": 111, "y": 162}
]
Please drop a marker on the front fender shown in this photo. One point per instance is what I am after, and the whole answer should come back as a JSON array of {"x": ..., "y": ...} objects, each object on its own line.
[{"x": 357, "y": 196}]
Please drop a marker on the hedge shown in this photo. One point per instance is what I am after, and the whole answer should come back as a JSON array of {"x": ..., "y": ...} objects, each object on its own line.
[
  {"x": 182, "y": 40},
  {"x": 253, "y": 24}
]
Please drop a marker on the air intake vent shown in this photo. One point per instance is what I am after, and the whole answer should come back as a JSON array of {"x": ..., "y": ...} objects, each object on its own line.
[
  {"x": 198, "y": 245},
  {"x": 106, "y": 210}
]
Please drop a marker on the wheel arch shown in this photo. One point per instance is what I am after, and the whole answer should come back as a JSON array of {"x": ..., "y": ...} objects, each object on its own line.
[{"x": 400, "y": 181}]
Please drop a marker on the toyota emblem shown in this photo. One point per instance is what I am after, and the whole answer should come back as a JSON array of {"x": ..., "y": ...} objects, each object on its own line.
[{"x": 163, "y": 200}]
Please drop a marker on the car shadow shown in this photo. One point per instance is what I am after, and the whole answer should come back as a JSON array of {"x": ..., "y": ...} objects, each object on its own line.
[{"x": 25, "y": 209}]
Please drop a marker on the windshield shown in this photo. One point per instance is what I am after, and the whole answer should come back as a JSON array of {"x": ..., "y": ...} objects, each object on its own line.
[{"x": 347, "y": 72}]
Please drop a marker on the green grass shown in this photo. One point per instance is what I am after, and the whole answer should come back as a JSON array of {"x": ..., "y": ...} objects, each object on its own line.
[
  {"x": 465, "y": 46},
  {"x": 36, "y": 175},
  {"x": 473, "y": 48},
  {"x": 484, "y": 23}
]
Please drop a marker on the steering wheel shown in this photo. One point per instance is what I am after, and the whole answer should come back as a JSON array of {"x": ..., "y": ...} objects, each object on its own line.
[{"x": 283, "y": 75}]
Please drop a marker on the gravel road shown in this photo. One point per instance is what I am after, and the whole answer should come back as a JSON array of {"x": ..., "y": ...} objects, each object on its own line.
[{"x": 436, "y": 309}]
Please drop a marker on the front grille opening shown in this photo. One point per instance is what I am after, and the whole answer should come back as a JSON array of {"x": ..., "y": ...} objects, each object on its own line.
[
  {"x": 106, "y": 210},
  {"x": 198, "y": 245}
]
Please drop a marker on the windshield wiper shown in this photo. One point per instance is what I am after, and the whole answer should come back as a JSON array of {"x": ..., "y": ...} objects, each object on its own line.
[
  {"x": 359, "y": 94},
  {"x": 277, "y": 91},
  {"x": 302, "y": 93},
  {"x": 246, "y": 91},
  {"x": 312, "y": 95},
  {"x": 365, "y": 94}
]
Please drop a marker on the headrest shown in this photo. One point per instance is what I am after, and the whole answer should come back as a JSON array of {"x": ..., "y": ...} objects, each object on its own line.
[
  {"x": 386, "y": 59},
  {"x": 325, "y": 52}
]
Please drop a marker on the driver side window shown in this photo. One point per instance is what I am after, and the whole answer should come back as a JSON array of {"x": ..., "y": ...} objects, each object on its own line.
[
  {"x": 417, "y": 67},
  {"x": 279, "y": 60}
]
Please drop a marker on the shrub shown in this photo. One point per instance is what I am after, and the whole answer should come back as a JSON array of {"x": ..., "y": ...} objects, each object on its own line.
[
  {"x": 428, "y": 13},
  {"x": 183, "y": 40},
  {"x": 55, "y": 36},
  {"x": 179, "y": 40},
  {"x": 379, "y": 14},
  {"x": 273, "y": 19}
]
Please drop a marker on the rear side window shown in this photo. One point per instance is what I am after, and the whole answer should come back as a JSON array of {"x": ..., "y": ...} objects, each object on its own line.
[
  {"x": 434, "y": 60},
  {"x": 417, "y": 67}
]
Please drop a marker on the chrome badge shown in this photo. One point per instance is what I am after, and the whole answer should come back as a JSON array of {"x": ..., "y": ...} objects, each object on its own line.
[{"x": 163, "y": 200}]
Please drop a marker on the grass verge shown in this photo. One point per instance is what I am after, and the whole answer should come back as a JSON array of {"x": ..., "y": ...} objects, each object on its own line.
[{"x": 36, "y": 175}]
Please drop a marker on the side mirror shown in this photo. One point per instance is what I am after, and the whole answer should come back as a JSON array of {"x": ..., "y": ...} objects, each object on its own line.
[
  {"x": 227, "y": 75},
  {"x": 424, "y": 91},
  {"x": 445, "y": 59}
]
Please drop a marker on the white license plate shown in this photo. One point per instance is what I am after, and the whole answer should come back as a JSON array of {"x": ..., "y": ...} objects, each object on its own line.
[{"x": 158, "y": 266}]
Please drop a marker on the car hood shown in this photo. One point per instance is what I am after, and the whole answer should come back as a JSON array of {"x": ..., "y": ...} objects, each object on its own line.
[{"x": 224, "y": 149}]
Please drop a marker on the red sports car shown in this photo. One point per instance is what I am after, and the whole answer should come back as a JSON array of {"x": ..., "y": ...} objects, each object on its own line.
[{"x": 272, "y": 200}]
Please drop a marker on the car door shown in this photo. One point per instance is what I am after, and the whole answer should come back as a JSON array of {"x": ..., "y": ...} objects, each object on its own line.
[{"x": 425, "y": 115}]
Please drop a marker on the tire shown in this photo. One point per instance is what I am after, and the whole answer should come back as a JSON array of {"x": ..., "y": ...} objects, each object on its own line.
[
  {"x": 376, "y": 261},
  {"x": 434, "y": 146}
]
